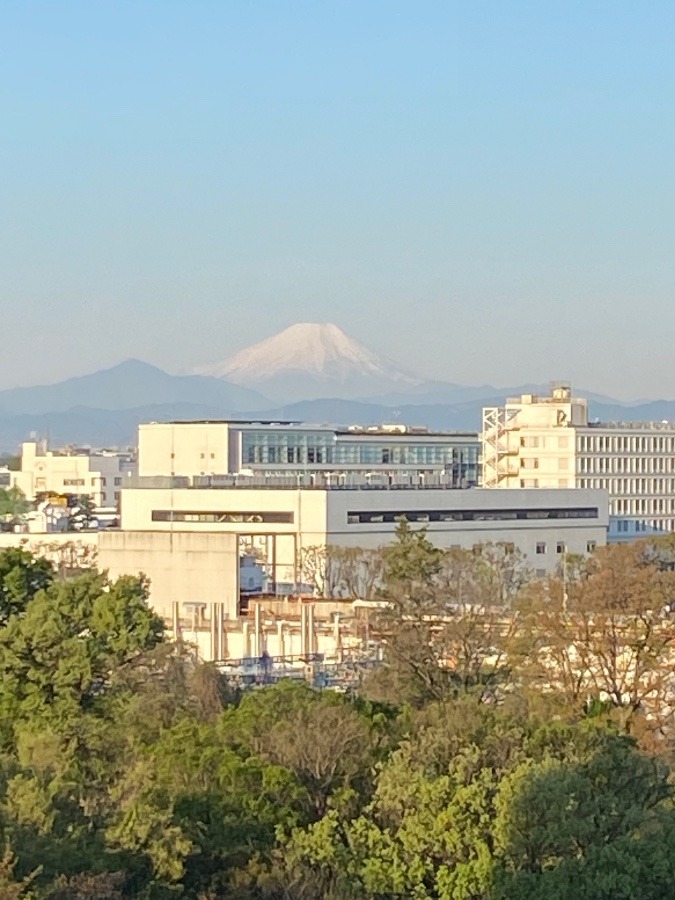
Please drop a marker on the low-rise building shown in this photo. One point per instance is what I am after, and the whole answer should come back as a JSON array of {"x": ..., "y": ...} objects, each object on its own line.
[
  {"x": 276, "y": 523},
  {"x": 99, "y": 475}
]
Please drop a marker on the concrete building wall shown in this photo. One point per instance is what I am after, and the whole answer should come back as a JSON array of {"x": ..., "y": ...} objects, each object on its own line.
[
  {"x": 541, "y": 539},
  {"x": 539, "y": 523},
  {"x": 272, "y": 524},
  {"x": 184, "y": 568},
  {"x": 184, "y": 448},
  {"x": 237, "y": 510}
]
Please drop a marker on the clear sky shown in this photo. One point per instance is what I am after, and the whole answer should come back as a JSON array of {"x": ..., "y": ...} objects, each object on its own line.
[{"x": 484, "y": 191}]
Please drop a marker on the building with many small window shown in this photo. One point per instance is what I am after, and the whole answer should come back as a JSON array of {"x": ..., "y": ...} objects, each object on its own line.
[
  {"x": 548, "y": 442},
  {"x": 352, "y": 454},
  {"x": 99, "y": 475}
]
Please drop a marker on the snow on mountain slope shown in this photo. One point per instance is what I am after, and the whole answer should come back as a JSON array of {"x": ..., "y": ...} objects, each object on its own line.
[{"x": 311, "y": 360}]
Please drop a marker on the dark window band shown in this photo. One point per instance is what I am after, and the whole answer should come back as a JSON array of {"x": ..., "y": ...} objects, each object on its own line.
[
  {"x": 173, "y": 515},
  {"x": 473, "y": 515}
]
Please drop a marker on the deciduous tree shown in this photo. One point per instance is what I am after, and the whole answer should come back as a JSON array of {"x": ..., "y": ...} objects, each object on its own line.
[{"x": 608, "y": 635}]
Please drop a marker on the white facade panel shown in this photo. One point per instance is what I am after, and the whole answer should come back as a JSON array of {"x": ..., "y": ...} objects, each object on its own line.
[
  {"x": 184, "y": 568},
  {"x": 185, "y": 448}
]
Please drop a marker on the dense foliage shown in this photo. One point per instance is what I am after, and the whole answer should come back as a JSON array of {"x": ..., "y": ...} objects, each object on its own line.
[
  {"x": 12, "y": 503},
  {"x": 514, "y": 746}
]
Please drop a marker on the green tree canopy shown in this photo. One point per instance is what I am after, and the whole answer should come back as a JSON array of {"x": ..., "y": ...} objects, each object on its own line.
[
  {"x": 550, "y": 808},
  {"x": 58, "y": 655},
  {"x": 13, "y": 502},
  {"x": 22, "y": 575},
  {"x": 128, "y": 769}
]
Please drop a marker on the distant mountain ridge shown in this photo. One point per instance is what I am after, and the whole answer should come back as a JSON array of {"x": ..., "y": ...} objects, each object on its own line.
[
  {"x": 91, "y": 426},
  {"x": 130, "y": 383},
  {"x": 105, "y": 408}
]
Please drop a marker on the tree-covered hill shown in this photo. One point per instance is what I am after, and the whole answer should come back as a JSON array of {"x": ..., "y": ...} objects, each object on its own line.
[{"x": 481, "y": 762}]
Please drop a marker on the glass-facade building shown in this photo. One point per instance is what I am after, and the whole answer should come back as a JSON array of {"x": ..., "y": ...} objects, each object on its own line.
[{"x": 276, "y": 449}]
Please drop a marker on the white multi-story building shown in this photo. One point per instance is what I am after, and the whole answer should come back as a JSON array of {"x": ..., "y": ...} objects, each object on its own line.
[
  {"x": 351, "y": 453},
  {"x": 548, "y": 442},
  {"x": 99, "y": 475}
]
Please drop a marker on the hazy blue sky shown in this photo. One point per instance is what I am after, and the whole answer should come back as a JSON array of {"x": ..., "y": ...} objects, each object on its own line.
[{"x": 483, "y": 191}]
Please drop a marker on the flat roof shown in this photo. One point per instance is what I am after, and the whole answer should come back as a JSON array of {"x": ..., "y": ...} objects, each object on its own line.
[
  {"x": 226, "y": 422},
  {"x": 664, "y": 425},
  {"x": 413, "y": 433},
  {"x": 393, "y": 431}
]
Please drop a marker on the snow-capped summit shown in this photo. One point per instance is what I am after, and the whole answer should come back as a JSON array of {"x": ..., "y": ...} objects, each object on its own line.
[{"x": 310, "y": 360}]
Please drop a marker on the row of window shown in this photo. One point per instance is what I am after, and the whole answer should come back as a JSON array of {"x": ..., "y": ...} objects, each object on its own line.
[
  {"x": 175, "y": 515},
  {"x": 561, "y": 547},
  {"x": 95, "y": 482},
  {"x": 540, "y": 442},
  {"x": 626, "y": 527},
  {"x": 626, "y": 464},
  {"x": 365, "y": 517},
  {"x": 638, "y": 487},
  {"x": 629, "y": 526},
  {"x": 317, "y": 448},
  {"x": 561, "y": 464},
  {"x": 614, "y": 443},
  {"x": 642, "y": 506},
  {"x": 471, "y": 515},
  {"x": 367, "y": 456}
]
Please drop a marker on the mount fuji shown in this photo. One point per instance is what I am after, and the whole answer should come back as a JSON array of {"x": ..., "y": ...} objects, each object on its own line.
[{"x": 311, "y": 360}]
